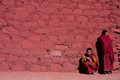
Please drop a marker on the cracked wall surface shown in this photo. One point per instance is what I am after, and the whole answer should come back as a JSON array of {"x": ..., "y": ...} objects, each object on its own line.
[{"x": 51, "y": 35}]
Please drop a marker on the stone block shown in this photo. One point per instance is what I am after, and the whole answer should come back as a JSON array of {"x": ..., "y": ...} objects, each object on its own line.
[
  {"x": 70, "y": 18},
  {"x": 78, "y": 11},
  {"x": 75, "y": 61},
  {"x": 82, "y": 19},
  {"x": 68, "y": 67},
  {"x": 4, "y": 67},
  {"x": 43, "y": 68},
  {"x": 12, "y": 58},
  {"x": 87, "y": 45},
  {"x": 77, "y": 45},
  {"x": 83, "y": 6},
  {"x": 1, "y": 46},
  {"x": 53, "y": 38},
  {"x": 35, "y": 38},
  {"x": 9, "y": 15},
  {"x": 99, "y": 20},
  {"x": 59, "y": 60},
  {"x": 48, "y": 10},
  {"x": 58, "y": 5},
  {"x": 104, "y": 12},
  {"x": 66, "y": 11},
  {"x": 92, "y": 0},
  {"x": 104, "y": 25},
  {"x": 8, "y": 3},
  {"x": 44, "y": 4},
  {"x": 91, "y": 12},
  {"x": 44, "y": 16},
  {"x": 18, "y": 68},
  {"x": 55, "y": 67},
  {"x": 3, "y": 22},
  {"x": 14, "y": 22},
  {"x": 104, "y": 0},
  {"x": 98, "y": 5},
  {"x": 61, "y": 47},
  {"x": 17, "y": 39},
  {"x": 10, "y": 30},
  {"x": 31, "y": 23},
  {"x": 34, "y": 16},
  {"x": 35, "y": 3},
  {"x": 66, "y": 38},
  {"x": 75, "y": 0},
  {"x": 42, "y": 23},
  {"x": 54, "y": 17},
  {"x": 21, "y": 15},
  {"x": 35, "y": 68},
  {"x": 79, "y": 39},
  {"x": 26, "y": 44},
  {"x": 53, "y": 1},
  {"x": 71, "y": 53},
  {"x": 51, "y": 10},
  {"x": 91, "y": 25},
  {"x": 44, "y": 31},
  {"x": 66, "y": 2},
  {"x": 45, "y": 62},
  {"x": 6, "y": 50},
  {"x": 115, "y": 65},
  {"x": 54, "y": 23},
  {"x": 2, "y": 58},
  {"x": 73, "y": 6},
  {"x": 5, "y": 38},
  {"x": 2, "y": 10},
  {"x": 92, "y": 38},
  {"x": 44, "y": 45},
  {"x": 33, "y": 60},
  {"x": 21, "y": 62}
]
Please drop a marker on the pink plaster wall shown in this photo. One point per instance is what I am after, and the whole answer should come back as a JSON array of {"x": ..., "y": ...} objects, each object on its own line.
[{"x": 51, "y": 35}]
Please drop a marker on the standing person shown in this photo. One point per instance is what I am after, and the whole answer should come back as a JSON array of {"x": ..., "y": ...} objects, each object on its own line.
[
  {"x": 107, "y": 52},
  {"x": 89, "y": 62}
]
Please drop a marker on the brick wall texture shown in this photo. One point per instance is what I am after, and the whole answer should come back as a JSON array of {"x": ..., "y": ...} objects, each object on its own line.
[{"x": 52, "y": 35}]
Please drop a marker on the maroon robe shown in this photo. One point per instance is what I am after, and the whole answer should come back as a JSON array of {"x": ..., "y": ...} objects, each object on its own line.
[
  {"x": 89, "y": 67},
  {"x": 107, "y": 52}
]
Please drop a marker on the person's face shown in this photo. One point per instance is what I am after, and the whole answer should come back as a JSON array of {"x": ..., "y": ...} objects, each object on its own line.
[
  {"x": 89, "y": 52},
  {"x": 106, "y": 33}
]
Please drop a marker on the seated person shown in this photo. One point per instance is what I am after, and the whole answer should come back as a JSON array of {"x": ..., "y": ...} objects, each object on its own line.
[{"x": 89, "y": 64}]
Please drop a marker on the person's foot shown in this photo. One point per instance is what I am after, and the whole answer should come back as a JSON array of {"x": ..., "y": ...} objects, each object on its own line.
[
  {"x": 105, "y": 72},
  {"x": 93, "y": 73},
  {"x": 109, "y": 72}
]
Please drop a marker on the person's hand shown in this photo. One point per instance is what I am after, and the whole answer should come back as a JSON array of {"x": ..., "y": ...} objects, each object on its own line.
[{"x": 89, "y": 59}]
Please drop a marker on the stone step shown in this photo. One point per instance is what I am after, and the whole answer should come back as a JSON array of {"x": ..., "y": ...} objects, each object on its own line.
[{"x": 57, "y": 76}]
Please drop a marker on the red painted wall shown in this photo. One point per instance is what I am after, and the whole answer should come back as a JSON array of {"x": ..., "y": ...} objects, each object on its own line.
[{"x": 51, "y": 35}]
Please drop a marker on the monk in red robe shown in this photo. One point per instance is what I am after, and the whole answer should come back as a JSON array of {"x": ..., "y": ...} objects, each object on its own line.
[
  {"x": 107, "y": 52},
  {"x": 89, "y": 63}
]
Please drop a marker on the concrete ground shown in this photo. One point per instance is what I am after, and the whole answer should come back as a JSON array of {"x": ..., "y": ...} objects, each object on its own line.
[{"x": 56, "y": 76}]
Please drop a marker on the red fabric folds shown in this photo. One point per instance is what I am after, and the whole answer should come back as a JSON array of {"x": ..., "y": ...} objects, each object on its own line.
[
  {"x": 107, "y": 52},
  {"x": 88, "y": 66}
]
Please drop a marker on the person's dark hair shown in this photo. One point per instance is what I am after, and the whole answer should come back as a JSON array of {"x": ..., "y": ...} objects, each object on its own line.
[
  {"x": 88, "y": 49},
  {"x": 104, "y": 32}
]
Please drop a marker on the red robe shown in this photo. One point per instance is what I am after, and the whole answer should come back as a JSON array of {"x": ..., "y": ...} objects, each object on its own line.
[
  {"x": 107, "y": 52},
  {"x": 89, "y": 67}
]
